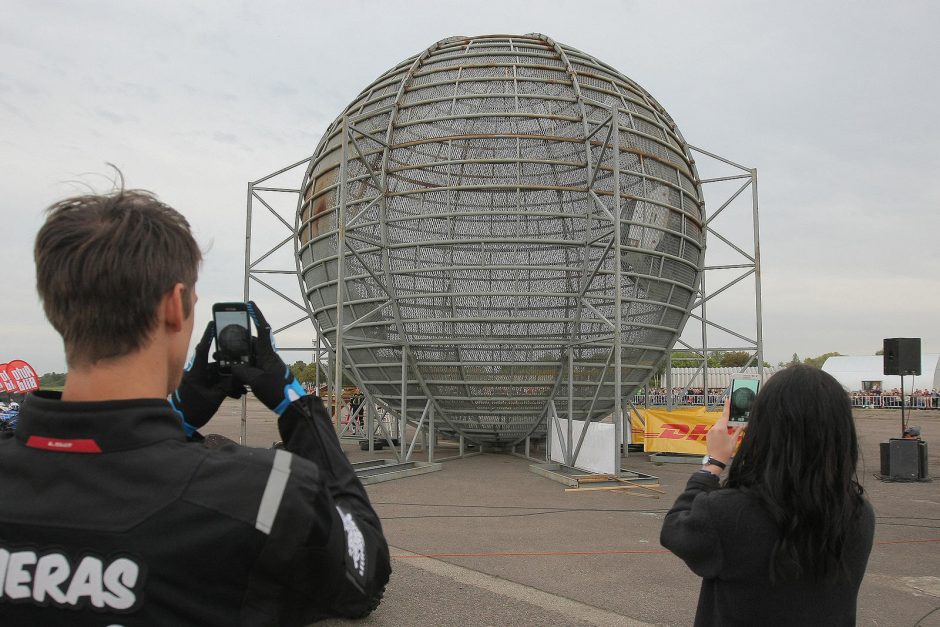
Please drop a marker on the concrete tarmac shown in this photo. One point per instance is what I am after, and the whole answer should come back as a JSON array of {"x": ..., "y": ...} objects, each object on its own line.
[{"x": 487, "y": 542}]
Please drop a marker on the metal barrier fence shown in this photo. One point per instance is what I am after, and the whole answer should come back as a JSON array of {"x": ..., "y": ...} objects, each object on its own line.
[
  {"x": 678, "y": 400},
  {"x": 872, "y": 401},
  {"x": 894, "y": 402}
]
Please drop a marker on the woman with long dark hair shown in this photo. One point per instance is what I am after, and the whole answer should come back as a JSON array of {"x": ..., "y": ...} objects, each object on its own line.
[{"x": 786, "y": 539}]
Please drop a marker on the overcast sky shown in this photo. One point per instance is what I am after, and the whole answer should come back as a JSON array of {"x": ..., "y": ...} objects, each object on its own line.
[{"x": 835, "y": 104}]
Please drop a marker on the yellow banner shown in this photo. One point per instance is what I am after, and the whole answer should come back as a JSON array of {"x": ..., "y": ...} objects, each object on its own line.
[
  {"x": 677, "y": 431},
  {"x": 637, "y": 430}
]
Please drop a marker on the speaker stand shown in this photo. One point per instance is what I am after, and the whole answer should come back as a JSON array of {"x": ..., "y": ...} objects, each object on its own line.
[{"x": 903, "y": 421}]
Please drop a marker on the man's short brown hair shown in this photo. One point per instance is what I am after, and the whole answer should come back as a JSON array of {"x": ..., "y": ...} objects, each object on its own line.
[{"x": 104, "y": 263}]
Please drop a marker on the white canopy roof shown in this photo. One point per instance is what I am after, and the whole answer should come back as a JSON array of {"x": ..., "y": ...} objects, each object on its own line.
[{"x": 852, "y": 371}]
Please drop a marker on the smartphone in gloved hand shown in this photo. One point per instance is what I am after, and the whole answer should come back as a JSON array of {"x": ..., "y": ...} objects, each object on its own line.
[{"x": 232, "y": 335}]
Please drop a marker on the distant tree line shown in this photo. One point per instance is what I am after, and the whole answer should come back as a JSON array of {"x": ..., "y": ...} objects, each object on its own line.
[
  {"x": 52, "y": 380},
  {"x": 307, "y": 373},
  {"x": 716, "y": 359},
  {"x": 815, "y": 362}
]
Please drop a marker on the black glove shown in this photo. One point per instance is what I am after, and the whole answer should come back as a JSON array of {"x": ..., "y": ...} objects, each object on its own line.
[
  {"x": 202, "y": 389},
  {"x": 269, "y": 378}
]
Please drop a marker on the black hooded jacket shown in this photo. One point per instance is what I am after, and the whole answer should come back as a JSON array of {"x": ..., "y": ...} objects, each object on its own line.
[{"x": 110, "y": 516}]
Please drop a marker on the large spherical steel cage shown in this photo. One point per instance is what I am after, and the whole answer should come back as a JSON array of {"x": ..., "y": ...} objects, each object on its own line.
[{"x": 505, "y": 227}]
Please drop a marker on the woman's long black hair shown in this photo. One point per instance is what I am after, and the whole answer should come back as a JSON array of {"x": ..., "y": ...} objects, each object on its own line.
[{"x": 798, "y": 457}]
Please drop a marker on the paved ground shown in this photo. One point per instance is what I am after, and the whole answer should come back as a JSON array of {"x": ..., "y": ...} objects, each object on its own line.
[{"x": 487, "y": 542}]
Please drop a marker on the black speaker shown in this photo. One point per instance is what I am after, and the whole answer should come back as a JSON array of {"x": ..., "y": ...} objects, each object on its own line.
[
  {"x": 902, "y": 355},
  {"x": 904, "y": 460}
]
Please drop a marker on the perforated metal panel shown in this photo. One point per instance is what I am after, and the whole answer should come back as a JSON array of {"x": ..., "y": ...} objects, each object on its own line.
[{"x": 476, "y": 184}]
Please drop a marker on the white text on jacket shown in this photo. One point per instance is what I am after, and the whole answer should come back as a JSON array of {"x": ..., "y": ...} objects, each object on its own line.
[{"x": 52, "y": 578}]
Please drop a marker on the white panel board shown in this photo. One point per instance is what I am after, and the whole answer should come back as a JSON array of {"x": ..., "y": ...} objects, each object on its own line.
[{"x": 597, "y": 451}]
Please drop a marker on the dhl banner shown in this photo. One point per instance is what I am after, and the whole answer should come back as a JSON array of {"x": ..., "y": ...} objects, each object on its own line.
[
  {"x": 637, "y": 430},
  {"x": 677, "y": 431}
]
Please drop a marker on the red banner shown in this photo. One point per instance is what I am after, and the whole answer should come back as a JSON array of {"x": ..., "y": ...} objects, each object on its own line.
[
  {"x": 6, "y": 381},
  {"x": 22, "y": 375}
]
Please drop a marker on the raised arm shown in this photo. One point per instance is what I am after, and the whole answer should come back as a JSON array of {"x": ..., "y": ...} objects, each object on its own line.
[{"x": 343, "y": 564}]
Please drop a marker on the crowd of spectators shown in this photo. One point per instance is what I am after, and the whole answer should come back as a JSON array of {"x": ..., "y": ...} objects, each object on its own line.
[
  {"x": 680, "y": 396},
  {"x": 678, "y": 390},
  {"x": 875, "y": 397}
]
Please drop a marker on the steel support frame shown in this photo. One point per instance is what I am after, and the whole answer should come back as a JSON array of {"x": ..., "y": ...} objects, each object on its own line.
[
  {"x": 340, "y": 351},
  {"x": 258, "y": 193},
  {"x": 430, "y": 409},
  {"x": 749, "y": 266},
  {"x": 610, "y": 257}
]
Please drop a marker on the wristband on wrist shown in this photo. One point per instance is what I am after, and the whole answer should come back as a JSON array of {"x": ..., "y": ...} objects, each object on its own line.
[
  {"x": 714, "y": 462},
  {"x": 292, "y": 391}
]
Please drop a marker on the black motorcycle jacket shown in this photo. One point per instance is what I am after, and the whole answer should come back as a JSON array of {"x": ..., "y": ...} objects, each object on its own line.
[{"x": 110, "y": 516}]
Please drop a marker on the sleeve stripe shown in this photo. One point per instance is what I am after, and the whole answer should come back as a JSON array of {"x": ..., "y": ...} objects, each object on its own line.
[{"x": 273, "y": 491}]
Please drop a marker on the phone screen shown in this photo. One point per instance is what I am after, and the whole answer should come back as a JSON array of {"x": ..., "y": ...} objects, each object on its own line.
[
  {"x": 232, "y": 335},
  {"x": 743, "y": 392}
]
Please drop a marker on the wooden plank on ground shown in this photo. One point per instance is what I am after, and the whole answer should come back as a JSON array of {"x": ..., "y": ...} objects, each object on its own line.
[
  {"x": 640, "y": 485},
  {"x": 598, "y": 488}
]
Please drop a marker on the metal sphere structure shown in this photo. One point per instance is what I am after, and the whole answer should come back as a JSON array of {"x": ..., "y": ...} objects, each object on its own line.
[{"x": 502, "y": 228}]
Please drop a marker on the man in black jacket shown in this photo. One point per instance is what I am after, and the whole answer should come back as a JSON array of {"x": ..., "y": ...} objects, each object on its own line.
[{"x": 110, "y": 512}]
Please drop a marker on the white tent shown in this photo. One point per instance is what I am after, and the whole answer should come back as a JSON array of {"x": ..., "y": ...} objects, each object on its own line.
[{"x": 867, "y": 372}]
